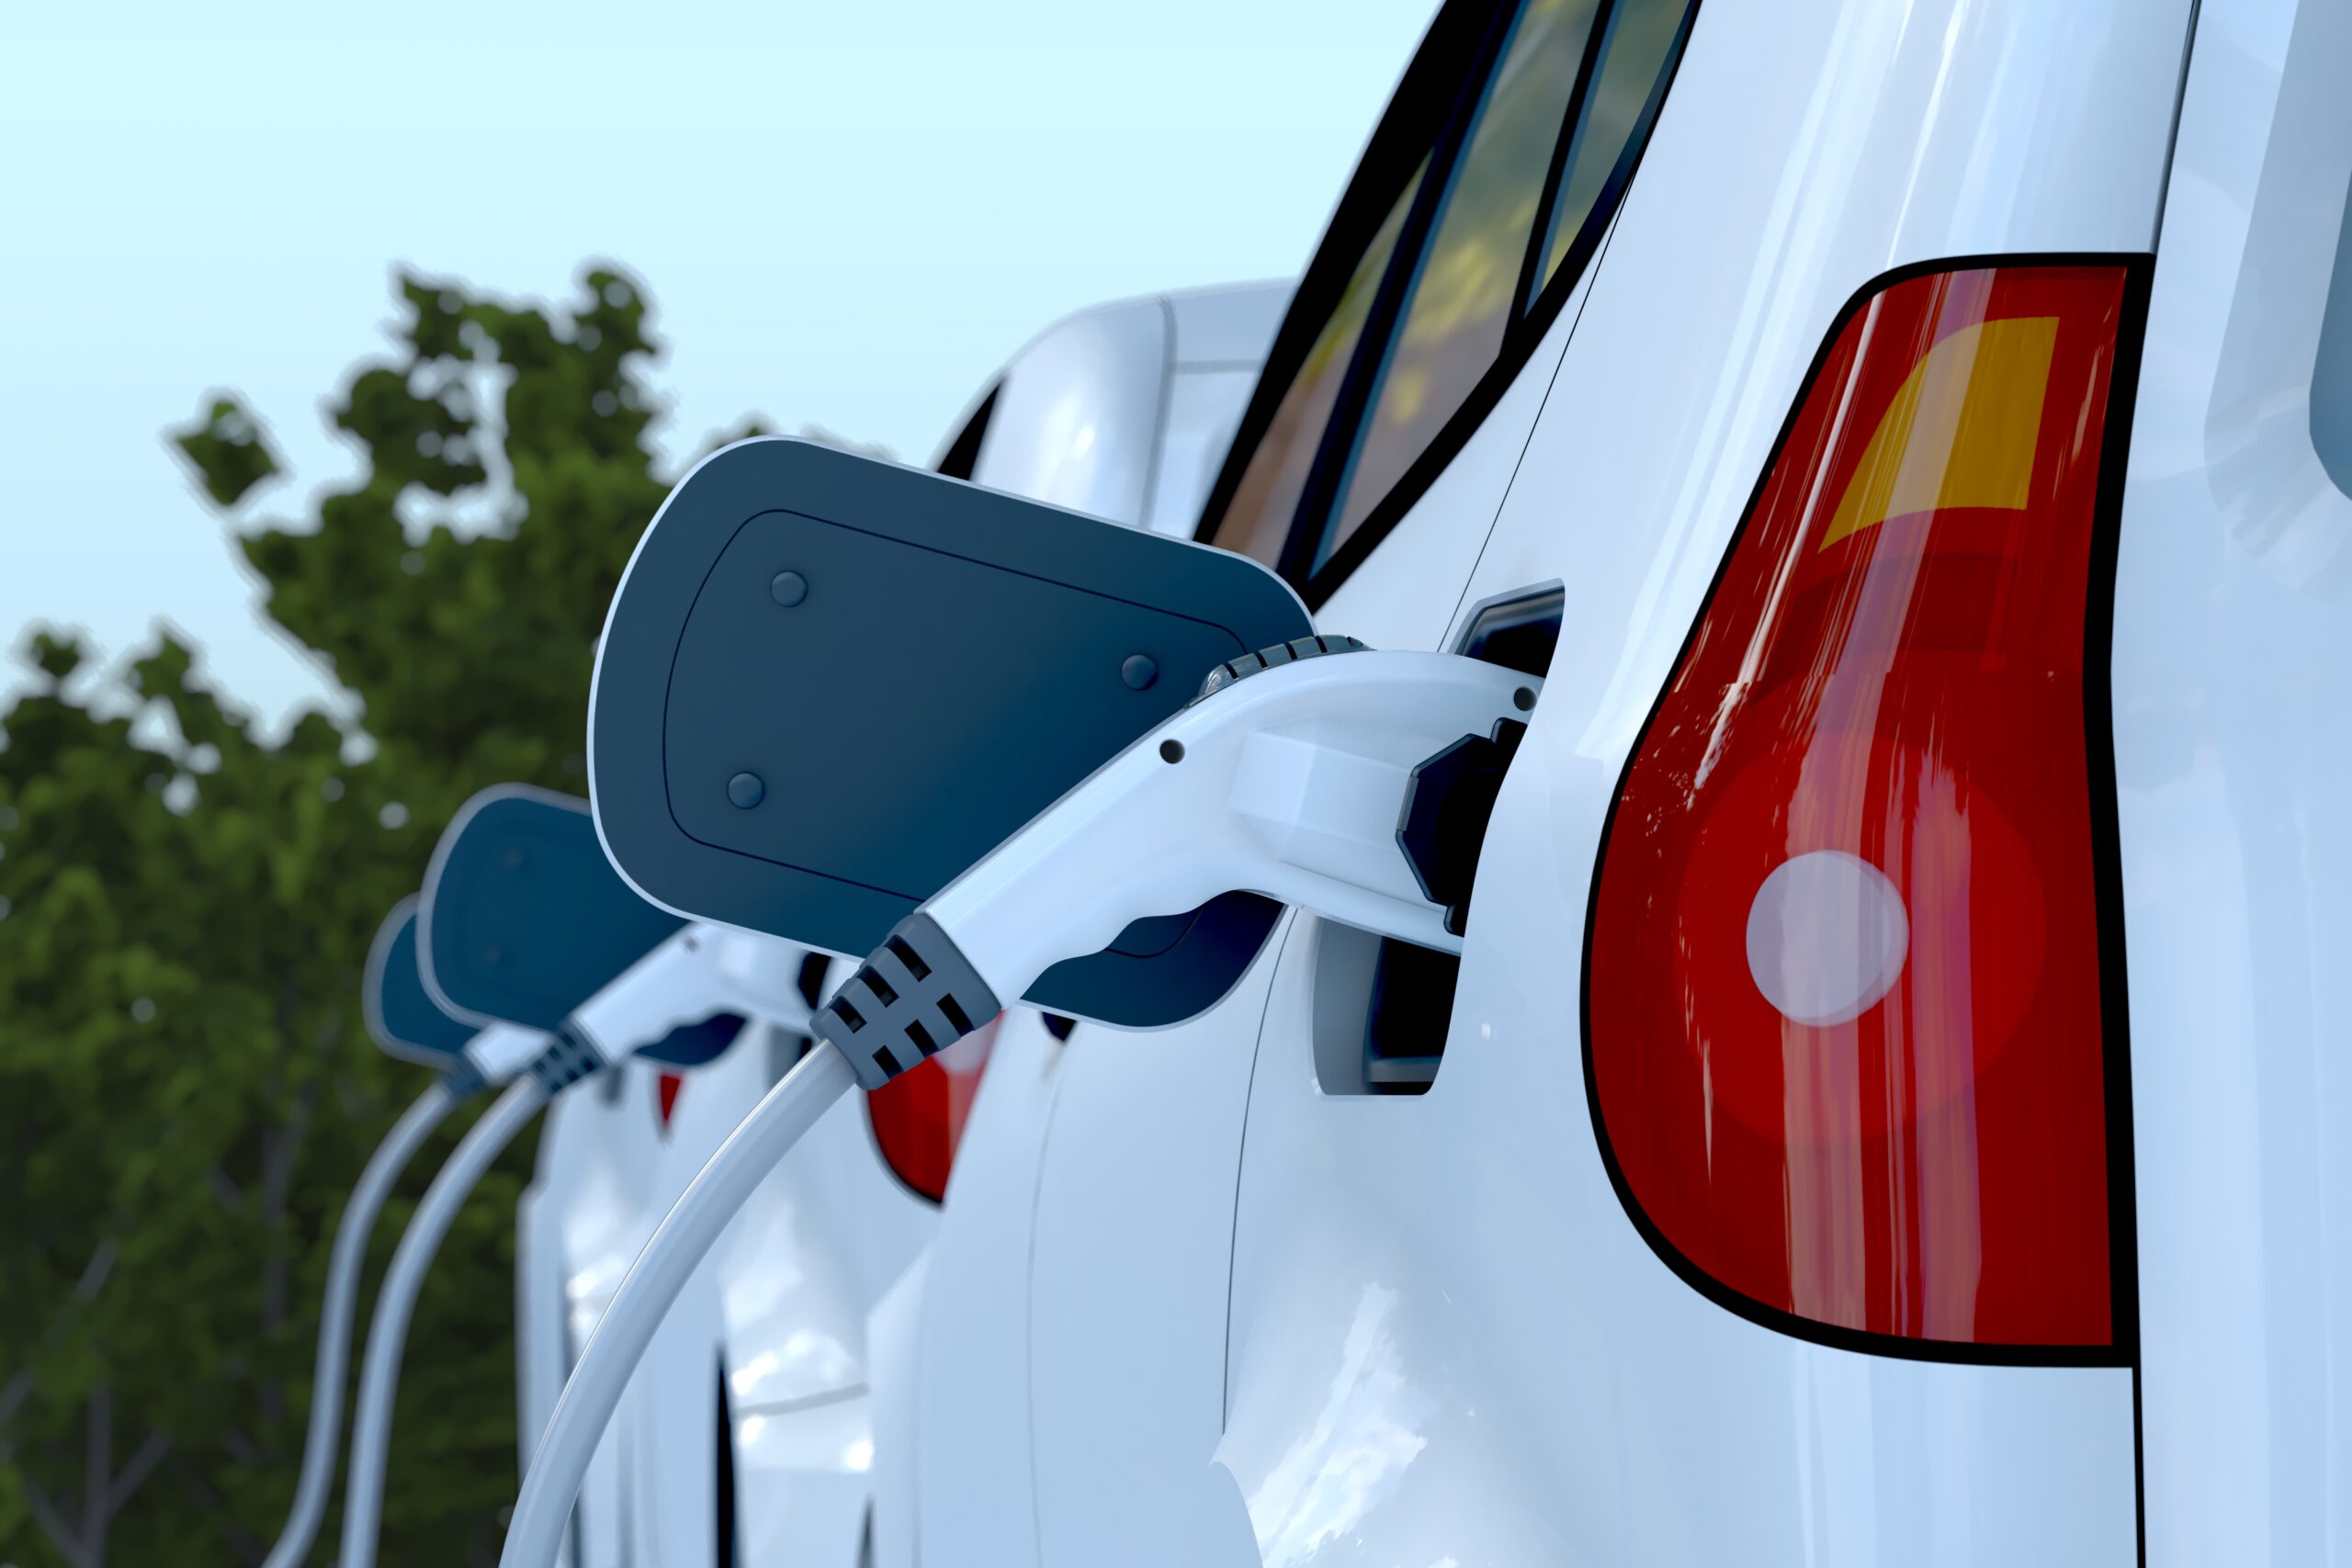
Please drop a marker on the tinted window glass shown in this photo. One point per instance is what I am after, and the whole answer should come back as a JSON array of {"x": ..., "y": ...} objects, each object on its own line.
[
  {"x": 1258, "y": 520},
  {"x": 2332, "y": 372},
  {"x": 1629, "y": 79},
  {"x": 1461, "y": 301},
  {"x": 964, "y": 453},
  {"x": 1526, "y": 120}
]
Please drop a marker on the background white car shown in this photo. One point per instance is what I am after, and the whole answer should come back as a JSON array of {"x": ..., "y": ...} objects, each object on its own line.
[{"x": 748, "y": 1434}]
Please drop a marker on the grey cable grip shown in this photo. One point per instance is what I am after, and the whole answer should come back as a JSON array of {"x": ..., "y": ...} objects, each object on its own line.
[
  {"x": 1280, "y": 653},
  {"x": 915, "y": 997},
  {"x": 571, "y": 1057}
]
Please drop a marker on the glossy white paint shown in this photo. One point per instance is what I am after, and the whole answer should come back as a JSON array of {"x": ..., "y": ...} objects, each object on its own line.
[
  {"x": 968, "y": 1369},
  {"x": 1079, "y": 411},
  {"x": 1219, "y": 338},
  {"x": 892, "y": 1331},
  {"x": 1124, "y": 410},
  {"x": 1129, "y": 1261},
  {"x": 540, "y": 1361},
  {"x": 2233, "y": 742},
  {"x": 1228, "y": 326}
]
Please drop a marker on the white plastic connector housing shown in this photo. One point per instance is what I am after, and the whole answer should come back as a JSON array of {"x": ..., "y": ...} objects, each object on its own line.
[
  {"x": 696, "y": 972},
  {"x": 1289, "y": 783},
  {"x": 504, "y": 1050}
]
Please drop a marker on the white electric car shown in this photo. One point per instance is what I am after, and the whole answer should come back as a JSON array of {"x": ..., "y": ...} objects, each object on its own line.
[
  {"x": 1891, "y": 1105},
  {"x": 748, "y": 1434}
]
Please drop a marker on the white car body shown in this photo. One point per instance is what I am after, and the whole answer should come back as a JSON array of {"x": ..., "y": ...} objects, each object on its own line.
[
  {"x": 1191, "y": 1305},
  {"x": 1122, "y": 411}
]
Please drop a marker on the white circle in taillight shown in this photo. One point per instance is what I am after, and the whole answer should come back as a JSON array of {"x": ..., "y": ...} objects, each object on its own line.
[{"x": 1827, "y": 937}]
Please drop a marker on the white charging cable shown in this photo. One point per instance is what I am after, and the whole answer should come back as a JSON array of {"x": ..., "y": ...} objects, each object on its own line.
[
  {"x": 383, "y": 1169},
  {"x": 396, "y": 1301},
  {"x": 551, "y": 1481}
]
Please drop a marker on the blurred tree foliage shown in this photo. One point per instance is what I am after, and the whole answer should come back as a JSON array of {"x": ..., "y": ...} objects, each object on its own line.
[{"x": 187, "y": 1094}]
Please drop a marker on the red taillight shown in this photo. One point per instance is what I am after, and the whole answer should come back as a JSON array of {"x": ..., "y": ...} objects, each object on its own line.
[
  {"x": 1848, "y": 1047},
  {"x": 919, "y": 1116}
]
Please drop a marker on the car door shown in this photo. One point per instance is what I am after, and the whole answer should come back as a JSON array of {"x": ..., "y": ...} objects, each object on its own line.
[
  {"x": 1121, "y": 410},
  {"x": 1453, "y": 1334},
  {"x": 1368, "y": 468}
]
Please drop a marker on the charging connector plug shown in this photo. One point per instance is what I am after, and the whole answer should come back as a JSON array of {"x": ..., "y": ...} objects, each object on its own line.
[{"x": 1294, "y": 776}]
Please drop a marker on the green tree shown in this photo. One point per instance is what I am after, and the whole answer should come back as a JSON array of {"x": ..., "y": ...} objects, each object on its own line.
[{"x": 185, "y": 903}]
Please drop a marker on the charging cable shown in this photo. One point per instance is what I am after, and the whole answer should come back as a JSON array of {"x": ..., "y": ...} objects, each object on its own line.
[
  {"x": 552, "y": 1481},
  {"x": 396, "y": 1301},
  {"x": 406, "y": 1024},
  {"x": 383, "y": 1169}
]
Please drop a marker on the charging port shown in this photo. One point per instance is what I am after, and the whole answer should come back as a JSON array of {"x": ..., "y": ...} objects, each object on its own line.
[{"x": 1382, "y": 1006}]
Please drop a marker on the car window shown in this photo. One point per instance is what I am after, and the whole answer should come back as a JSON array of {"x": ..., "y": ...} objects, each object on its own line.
[
  {"x": 2331, "y": 371},
  {"x": 1258, "y": 520},
  {"x": 963, "y": 453},
  {"x": 1635, "y": 49},
  {"x": 1463, "y": 293},
  {"x": 1530, "y": 117}
]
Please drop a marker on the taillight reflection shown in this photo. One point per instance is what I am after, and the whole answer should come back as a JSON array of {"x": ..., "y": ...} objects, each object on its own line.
[{"x": 919, "y": 1116}]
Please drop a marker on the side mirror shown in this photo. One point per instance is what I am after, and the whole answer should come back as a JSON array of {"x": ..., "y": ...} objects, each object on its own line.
[
  {"x": 401, "y": 1016},
  {"x": 829, "y": 684}
]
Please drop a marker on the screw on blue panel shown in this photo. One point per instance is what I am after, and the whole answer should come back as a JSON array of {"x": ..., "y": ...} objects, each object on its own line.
[
  {"x": 789, "y": 588},
  {"x": 746, "y": 790},
  {"x": 1138, "y": 671}
]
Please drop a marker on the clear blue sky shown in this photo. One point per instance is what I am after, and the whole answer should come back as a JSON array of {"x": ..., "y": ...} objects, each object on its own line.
[{"x": 847, "y": 214}]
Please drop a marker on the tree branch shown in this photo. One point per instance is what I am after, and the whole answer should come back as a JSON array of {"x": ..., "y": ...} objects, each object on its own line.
[
  {"x": 13, "y": 1394},
  {"x": 241, "y": 1540},
  {"x": 97, "y": 1470},
  {"x": 53, "y": 1523},
  {"x": 278, "y": 1180},
  {"x": 134, "y": 1474},
  {"x": 94, "y": 1272},
  {"x": 19, "y": 1388}
]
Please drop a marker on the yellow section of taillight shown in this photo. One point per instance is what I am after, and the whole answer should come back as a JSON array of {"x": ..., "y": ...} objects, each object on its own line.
[{"x": 1960, "y": 432}]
